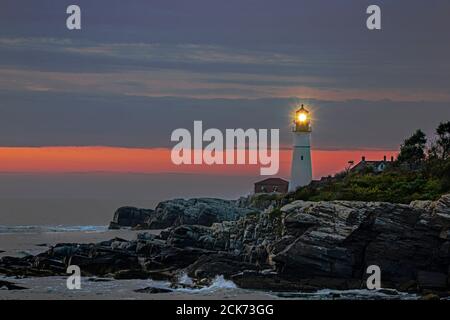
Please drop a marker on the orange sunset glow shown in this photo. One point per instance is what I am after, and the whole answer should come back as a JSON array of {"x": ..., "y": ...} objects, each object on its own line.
[{"x": 157, "y": 160}]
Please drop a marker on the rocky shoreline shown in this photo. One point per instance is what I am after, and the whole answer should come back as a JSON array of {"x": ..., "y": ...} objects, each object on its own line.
[{"x": 266, "y": 245}]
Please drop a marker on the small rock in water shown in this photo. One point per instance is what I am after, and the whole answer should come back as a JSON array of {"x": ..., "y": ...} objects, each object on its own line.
[
  {"x": 152, "y": 290},
  {"x": 131, "y": 274},
  {"x": 100, "y": 279},
  {"x": 10, "y": 286},
  {"x": 335, "y": 295},
  {"x": 430, "y": 296},
  {"x": 146, "y": 236},
  {"x": 185, "y": 286},
  {"x": 388, "y": 292},
  {"x": 42, "y": 245}
]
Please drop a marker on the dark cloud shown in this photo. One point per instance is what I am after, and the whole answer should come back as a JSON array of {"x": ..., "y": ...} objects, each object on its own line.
[
  {"x": 262, "y": 49},
  {"x": 43, "y": 118}
]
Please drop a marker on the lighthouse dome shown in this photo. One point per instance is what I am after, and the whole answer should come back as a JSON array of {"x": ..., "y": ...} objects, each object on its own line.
[{"x": 302, "y": 120}]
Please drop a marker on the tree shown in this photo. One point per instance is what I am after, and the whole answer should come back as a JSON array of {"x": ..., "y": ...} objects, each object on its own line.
[
  {"x": 412, "y": 151},
  {"x": 443, "y": 142}
]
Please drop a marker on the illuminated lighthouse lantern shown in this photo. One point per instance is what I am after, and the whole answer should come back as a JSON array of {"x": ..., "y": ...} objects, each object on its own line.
[{"x": 301, "y": 168}]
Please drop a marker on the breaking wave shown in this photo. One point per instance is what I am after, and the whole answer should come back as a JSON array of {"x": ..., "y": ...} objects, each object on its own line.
[{"x": 218, "y": 283}]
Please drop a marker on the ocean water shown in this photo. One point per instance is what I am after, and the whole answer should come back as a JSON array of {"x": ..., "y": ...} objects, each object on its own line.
[
  {"x": 220, "y": 288},
  {"x": 50, "y": 228},
  {"x": 24, "y": 240}
]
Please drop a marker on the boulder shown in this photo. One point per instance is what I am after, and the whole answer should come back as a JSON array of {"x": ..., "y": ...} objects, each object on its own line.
[
  {"x": 202, "y": 211},
  {"x": 208, "y": 266},
  {"x": 10, "y": 286},
  {"x": 442, "y": 207},
  {"x": 190, "y": 236},
  {"x": 131, "y": 274},
  {"x": 339, "y": 239},
  {"x": 152, "y": 290},
  {"x": 431, "y": 297},
  {"x": 432, "y": 280},
  {"x": 130, "y": 217}
]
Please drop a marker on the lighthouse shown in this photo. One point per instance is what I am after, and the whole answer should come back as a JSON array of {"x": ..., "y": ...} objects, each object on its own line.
[{"x": 301, "y": 168}]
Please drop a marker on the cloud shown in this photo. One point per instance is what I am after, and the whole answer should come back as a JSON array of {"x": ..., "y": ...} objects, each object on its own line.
[
  {"x": 182, "y": 83},
  {"x": 36, "y": 118},
  {"x": 136, "y": 72},
  {"x": 207, "y": 70}
]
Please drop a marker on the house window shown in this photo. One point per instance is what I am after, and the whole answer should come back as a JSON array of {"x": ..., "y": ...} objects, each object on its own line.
[{"x": 301, "y": 158}]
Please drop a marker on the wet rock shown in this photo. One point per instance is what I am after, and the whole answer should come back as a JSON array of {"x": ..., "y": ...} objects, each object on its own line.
[
  {"x": 131, "y": 274},
  {"x": 201, "y": 211},
  {"x": 152, "y": 290},
  {"x": 408, "y": 286},
  {"x": 340, "y": 239},
  {"x": 149, "y": 247},
  {"x": 130, "y": 217},
  {"x": 169, "y": 274},
  {"x": 95, "y": 279},
  {"x": 198, "y": 285},
  {"x": 431, "y": 280},
  {"x": 102, "y": 263},
  {"x": 146, "y": 236},
  {"x": 164, "y": 234},
  {"x": 441, "y": 207},
  {"x": 276, "y": 282},
  {"x": 388, "y": 292},
  {"x": 178, "y": 258},
  {"x": 430, "y": 297},
  {"x": 6, "y": 285},
  {"x": 422, "y": 204},
  {"x": 190, "y": 236},
  {"x": 208, "y": 266}
]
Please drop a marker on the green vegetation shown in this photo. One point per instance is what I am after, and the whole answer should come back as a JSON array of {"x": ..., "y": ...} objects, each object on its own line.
[
  {"x": 275, "y": 214},
  {"x": 419, "y": 173},
  {"x": 253, "y": 214},
  {"x": 263, "y": 199}
]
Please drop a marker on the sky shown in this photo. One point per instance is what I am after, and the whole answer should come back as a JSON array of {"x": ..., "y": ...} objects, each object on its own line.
[{"x": 106, "y": 98}]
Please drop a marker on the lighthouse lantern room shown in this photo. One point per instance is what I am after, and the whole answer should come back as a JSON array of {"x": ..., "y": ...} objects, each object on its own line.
[{"x": 301, "y": 168}]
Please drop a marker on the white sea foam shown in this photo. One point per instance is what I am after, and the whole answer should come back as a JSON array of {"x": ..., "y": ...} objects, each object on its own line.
[
  {"x": 183, "y": 278},
  {"x": 218, "y": 283}
]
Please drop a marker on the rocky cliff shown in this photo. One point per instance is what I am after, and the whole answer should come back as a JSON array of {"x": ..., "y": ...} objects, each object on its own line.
[
  {"x": 299, "y": 246},
  {"x": 130, "y": 217},
  {"x": 201, "y": 211}
]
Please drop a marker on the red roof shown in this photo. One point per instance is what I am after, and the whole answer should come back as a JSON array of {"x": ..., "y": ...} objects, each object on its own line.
[{"x": 272, "y": 181}]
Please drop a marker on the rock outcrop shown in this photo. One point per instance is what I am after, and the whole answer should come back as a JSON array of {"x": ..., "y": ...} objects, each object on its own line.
[
  {"x": 341, "y": 239},
  {"x": 130, "y": 217},
  {"x": 333, "y": 243},
  {"x": 201, "y": 211},
  {"x": 299, "y": 246},
  {"x": 6, "y": 285}
]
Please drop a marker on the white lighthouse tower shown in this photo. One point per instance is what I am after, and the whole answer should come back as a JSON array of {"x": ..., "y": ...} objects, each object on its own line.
[{"x": 301, "y": 168}]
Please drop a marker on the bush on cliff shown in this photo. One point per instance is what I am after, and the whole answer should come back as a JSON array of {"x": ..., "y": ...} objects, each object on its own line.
[{"x": 418, "y": 174}]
